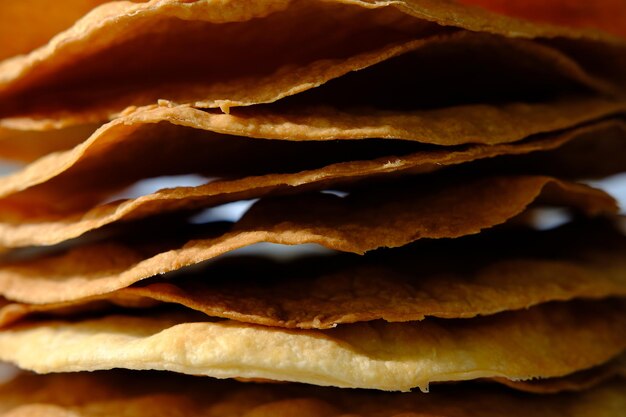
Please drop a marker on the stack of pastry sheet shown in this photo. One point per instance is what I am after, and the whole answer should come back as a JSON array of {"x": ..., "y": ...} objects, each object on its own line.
[{"x": 414, "y": 140}]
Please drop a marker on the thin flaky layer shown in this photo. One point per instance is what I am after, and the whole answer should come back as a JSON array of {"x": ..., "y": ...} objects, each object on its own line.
[
  {"x": 463, "y": 278},
  {"x": 392, "y": 84},
  {"x": 388, "y": 90},
  {"x": 113, "y": 156},
  {"x": 374, "y": 217},
  {"x": 546, "y": 341},
  {"x": 576, "y": 159},
  {"x": 87, "y": 69},
  {"x": 449, "y": 126},
  {"x": 57, "y": 198},
  {"x": 139, "y": 394}
]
